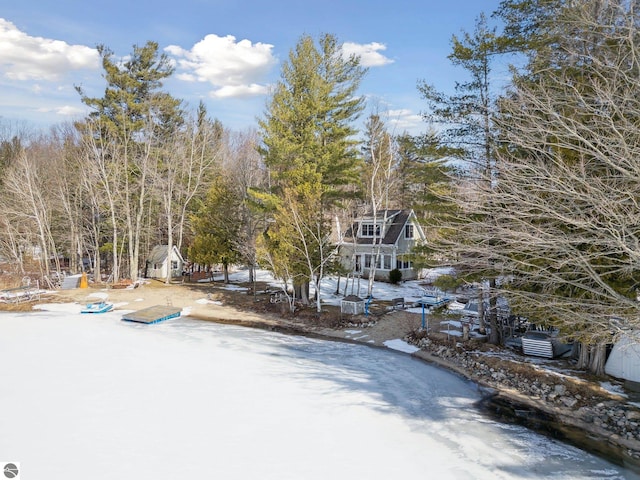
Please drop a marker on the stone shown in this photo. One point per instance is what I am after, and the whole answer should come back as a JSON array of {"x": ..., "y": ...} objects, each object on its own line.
[
  {"x": 632, "y": 414},
  {"x": 559, "y": 389},
  {"x": 568, "y": 401}
]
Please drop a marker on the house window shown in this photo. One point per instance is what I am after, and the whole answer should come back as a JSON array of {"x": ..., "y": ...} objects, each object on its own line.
[
  {"x": 408, "y": 230},
  {"x": 387, "y": 262},
  {"x": 174, "y": 264},
  {"x": 368, "y": 230},
  {"x": 403, "y": 265},
  {"x": 367, "y": 261}
]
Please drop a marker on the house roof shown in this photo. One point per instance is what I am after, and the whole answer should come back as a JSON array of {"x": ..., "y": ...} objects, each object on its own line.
[
  {"x": 396, "y": 220},
  {"x": 159, "y": 253}
]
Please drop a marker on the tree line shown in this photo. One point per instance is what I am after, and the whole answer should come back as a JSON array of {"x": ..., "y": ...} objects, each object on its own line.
[{"x": 528, "y": 189}]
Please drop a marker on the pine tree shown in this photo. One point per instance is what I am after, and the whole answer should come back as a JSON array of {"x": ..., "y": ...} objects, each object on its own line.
[
  {"x": 216, "y": 229},
  {"x": 310, "y": 151},
  {"x": 467, "y": 120}
]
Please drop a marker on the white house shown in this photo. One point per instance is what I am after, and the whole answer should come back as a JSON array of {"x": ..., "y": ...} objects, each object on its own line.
[
  {"x": 158, "y": 262},
  {"x": 389, "y": 238}
]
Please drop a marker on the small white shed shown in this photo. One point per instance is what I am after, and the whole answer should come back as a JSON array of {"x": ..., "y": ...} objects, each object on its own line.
[
  {"x": 159, "y": 260},
  {"x": 624, "y": 359}
]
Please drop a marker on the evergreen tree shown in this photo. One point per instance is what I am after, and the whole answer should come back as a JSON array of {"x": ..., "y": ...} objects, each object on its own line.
[
  {"x": 528, "y": 25},
  {"x": 216, "y": 228},
  {"x": 310, "y": 152},
  {"x": 467, "y": 118},
  {"x": 427, "y": 169},
  {"x": 308, "y": 123},
  {"x": 466, "y": 115}
]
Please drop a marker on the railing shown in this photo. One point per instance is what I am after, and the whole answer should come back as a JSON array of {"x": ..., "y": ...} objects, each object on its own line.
[{"x": 20, "y": 294}]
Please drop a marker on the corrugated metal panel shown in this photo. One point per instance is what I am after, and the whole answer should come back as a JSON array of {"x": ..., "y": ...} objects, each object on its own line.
[{"x": 537, "y": 348}]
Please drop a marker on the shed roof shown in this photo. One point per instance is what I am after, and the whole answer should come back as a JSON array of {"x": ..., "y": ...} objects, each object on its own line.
[{"x": 159, "y": 253}]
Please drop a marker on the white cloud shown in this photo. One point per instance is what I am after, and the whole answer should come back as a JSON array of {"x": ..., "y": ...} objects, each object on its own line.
[
  {"x": 65, "y": 110},
  {"x": 69, "y": 111},
  {"x": 234, "y": 68},
  {"x": 369, "y": 53},
  {"x": 23, "y": 57},
  {"x": 230, "y": 91},
  {"x": 405, "y": 120}
]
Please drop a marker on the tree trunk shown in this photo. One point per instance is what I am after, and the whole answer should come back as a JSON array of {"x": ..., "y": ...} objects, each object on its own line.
[
  {"x": 583, "y": 356},
  {"x": 169, "y": 248},
  {"x": 481, "y": 324},
  {"x": 495, "y": 335},
  {"x": 252, "y": 273},
  {"x": 301, "y": 291},
  {"x": 225, "y": 270},
  {"x": 318, "y": 296},
  {"x": 597, "y": 360},
  {"x": 592, "y": 358}
]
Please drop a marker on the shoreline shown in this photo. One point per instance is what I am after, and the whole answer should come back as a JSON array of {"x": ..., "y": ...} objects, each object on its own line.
[
  {"x": 504, "y": 405},
  {"x": 498, "y": 400}
]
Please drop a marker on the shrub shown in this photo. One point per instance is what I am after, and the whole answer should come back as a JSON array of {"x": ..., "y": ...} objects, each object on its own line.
[{"x": 395, "y": 276}]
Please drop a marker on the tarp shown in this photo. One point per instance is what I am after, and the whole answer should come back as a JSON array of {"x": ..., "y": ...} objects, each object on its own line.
[{"x": 624, "y": 359}]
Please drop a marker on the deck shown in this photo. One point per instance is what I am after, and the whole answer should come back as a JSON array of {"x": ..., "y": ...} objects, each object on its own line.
[
  {"x": 20, "y": 294},
  {"x": 155, "y": 314},
  {"x": 432, "y": 301}
]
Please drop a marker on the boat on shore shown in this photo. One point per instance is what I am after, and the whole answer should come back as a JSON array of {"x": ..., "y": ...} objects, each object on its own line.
[{"x": 97, "y": 307}]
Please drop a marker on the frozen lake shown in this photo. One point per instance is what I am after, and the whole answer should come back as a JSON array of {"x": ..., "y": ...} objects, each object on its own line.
[{"x": 93, "y": 397}]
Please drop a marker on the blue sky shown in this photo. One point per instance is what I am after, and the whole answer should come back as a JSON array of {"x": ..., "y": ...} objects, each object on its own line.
[{"x": 227, "y": 52}]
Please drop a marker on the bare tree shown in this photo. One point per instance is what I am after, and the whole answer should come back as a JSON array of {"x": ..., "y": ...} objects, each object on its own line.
[
  {"x": 201, "y": 147},
  {"x": 244, "y": 166},
  {"x": 70, "y": 193},
  {"x": 380, "y": 164},
  {"x": 103, "y": 179},
  {"x": 565, "y": 230},
  {"x": 26, "y": 185}
]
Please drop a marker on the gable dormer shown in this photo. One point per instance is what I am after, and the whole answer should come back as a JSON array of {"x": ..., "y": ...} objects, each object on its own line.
[
  {"x": 382, "y": 227},
  {"x": 370, "y": 229}
]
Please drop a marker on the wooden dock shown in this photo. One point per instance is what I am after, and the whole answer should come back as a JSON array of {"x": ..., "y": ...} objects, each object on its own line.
[
  {"x": 155, "y": 314},
  {"x": 20, "y": 294}
]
